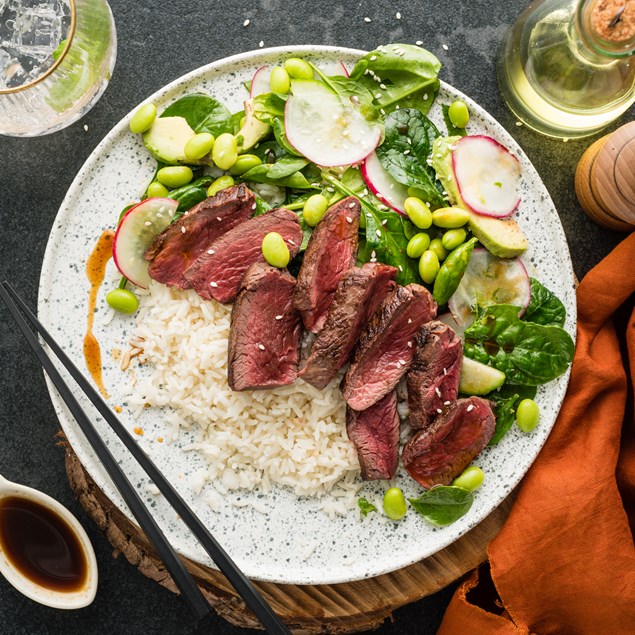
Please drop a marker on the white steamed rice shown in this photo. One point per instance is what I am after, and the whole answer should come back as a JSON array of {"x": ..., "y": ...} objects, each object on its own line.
[{"x": 293, "y": 436}]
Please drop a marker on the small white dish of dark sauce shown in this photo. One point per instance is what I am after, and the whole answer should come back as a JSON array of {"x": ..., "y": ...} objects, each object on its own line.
[{"x": 44, "y": 551}]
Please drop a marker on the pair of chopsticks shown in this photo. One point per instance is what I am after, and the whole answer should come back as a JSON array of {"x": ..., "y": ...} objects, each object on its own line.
[{"x": 182, "y": 578}]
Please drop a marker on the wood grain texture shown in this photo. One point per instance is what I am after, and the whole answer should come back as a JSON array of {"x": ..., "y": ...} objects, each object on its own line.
[{"x": 308, "y": 610}]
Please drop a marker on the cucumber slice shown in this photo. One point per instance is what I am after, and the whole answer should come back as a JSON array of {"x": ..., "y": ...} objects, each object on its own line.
[
  {"x": 490, "y": 280},
  {"x": 137, "y": 229},
  {"x": 325, "y": 127},
  {"x": 479, "y": 379}
]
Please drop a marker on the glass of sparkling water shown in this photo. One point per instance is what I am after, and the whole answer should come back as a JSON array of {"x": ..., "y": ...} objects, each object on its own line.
[{"x": 56, "y": 58}]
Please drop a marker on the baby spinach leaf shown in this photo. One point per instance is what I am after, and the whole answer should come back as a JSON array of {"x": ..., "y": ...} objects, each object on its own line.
[
  {"x": 280, "y": 135},
  {"x": 451, "y": 128},
  {"x": 191, "y": 194},
  {"x": 268, "y": 106},
  {"x": 444, "y": 504},
  {"x": 202, "y": 112},
  {"x": 528, "y": 353},
  {"x": 405, "y": 150},
  {"x": 399, "y": 75},
  {"x": 506, "y": 400},
  {"x": 544, "y": 307},
  {"x": 286, "y": 166},
  {"x": 260, "y": 174},
  {"x": 365, "y": 506},
  {"x": 385, "y": 239}
]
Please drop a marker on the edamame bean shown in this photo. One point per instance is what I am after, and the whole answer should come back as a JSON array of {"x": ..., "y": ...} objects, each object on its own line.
[
  {"x": 459, "y": 114},
  {"x": 453, "y": 238},
  {"x": 225, "y": 151},
  {"x": 314, "y": 209},
  {"x": 451, "y": 272},
  {"x": 279, "y": 80},
  {"x": 221, "y": 183},
  {"x": 157, "y": 189},
  {"x": 175, "y": 176},
  {"x": 418, "y": 212},
  {"x": 418, "y": 244},
  {"x": 198, "y": 146},
  {"x": 471, "y": 478},
  {"x": 527, "y": 415},
  {"x": 450, "y": 217},
  {"x": 275, "y": 250},
  {"x": 122, "y": 300},
  {"x": 143, "y": 118},
  {"x": 395, "y": 504},
  {"x": 437, "y": 246},
  {"x": 244, "y": 163},
  {"x": 298, "y": 68},
  {"x": 429, "y": 266}
]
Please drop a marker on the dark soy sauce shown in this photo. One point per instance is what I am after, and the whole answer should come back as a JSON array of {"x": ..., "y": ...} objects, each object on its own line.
[{"x": 41, "y": 545}]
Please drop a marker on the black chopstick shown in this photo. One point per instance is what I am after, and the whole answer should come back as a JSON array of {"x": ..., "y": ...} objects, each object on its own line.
[{"x": 253, "y": 599}]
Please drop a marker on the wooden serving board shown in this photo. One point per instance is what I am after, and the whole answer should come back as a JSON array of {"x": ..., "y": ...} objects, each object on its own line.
[{"x": 338, "y": 608}]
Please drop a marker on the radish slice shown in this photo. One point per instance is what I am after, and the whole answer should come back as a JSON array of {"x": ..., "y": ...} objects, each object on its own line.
[
  {"x": 487, "y": 175},
  {"x": 382, "y": 185},
  {"x": 448, "y": 320},
  {"x": 325, "y": 128},
  {"x": 260, "y": 82},
  {"x": 137, "y": 229},
  {"x": 344, "y": 72},
  {"x": 490, "y": 280}
]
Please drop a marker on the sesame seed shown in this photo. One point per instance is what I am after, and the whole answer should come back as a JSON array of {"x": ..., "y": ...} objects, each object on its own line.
[
  {"x": 210, "y": 252},
  {"x": 419, "y": 42},
  {"x": 378, "y": 96},
  {"x": 409, "y": 344},
  {"x": 425, "y": 96},
  {"x": 85, "y": 128},
  {"x": 382, "y": 111},
  {"x": 373, "y": 254},
  {"x": 406, "y": 152},
  {"x": 291, "y": 242},
  {"x": 378, "y": 233},
  {"x": 366, "y": 19},
  {"x": 437, "y": 391},
  {"x": 445, "y": 371},
  {"x": 400, "y": 268},
  {"x": 444, "y": 47},
  {"x": 447, "y": 403},
  {"x": 278, "y": 317},
  {"x": 254, "y": 206},
  {"x": 183, "y": 229},
  {"x": 261, "y": 347},
  {"x": 261, "y": 44},
  {"x": 564, "y": 139},
  {"x": 398, "y": 15},
  {"x": 373, "y": 58},
  {"x": 218, "y": 218},
  {"x": 382, "y": 86},
  {"x": 147, "y": 223},
  {"x": 213, "y": 284},
  {"x": 351, "y": 205},
  {"x": 330, "y": 189},
  {"x": 401, "y": 361},
  {"x": 409, "y": 321},
  {"x": 470, "y": 408},
  {"x": 519, "y": 123},
  {"x": 373, "y": 260},
  {"x": 439, "y": 410},
  {"x": 349, "y": 219},
  {"x": 246, "y": 22},
  {"x": 384, "y": 221}
]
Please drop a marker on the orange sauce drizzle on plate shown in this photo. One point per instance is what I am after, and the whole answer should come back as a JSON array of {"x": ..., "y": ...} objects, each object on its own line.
[{"x": 95, "y": 271}]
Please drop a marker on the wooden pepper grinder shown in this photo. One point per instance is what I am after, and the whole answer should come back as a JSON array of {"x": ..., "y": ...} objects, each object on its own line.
[{"x": 605, "y": 180}]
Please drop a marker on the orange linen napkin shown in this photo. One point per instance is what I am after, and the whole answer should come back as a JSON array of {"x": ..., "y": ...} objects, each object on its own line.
[{"x": 564, "y": 561}]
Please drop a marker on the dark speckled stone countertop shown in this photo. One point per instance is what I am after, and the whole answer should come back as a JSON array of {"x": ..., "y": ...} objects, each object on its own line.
[{"x": 158, "y": 42}]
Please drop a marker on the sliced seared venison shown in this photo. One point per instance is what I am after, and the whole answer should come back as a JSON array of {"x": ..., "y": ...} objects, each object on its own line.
[
  {"x": 440, "y": 452},
  {"x": 386, "y": 346},
  {"x": 433, "y": 378},
  {"x": 358, "y": 295},
  {"x": 375, "y": 434},
  {"x": 331, "y": 252},
  {"x": 264, "y": 338},
  {"x": 217, "y": 272},
  {"x": 182, "y": 242}
]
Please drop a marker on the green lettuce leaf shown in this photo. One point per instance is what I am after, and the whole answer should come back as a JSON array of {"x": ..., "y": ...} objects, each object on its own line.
[{"x": 444, "y": 504}]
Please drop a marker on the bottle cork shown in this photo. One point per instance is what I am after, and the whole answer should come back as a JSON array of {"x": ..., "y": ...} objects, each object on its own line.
[{"x": 605, "y": 179}]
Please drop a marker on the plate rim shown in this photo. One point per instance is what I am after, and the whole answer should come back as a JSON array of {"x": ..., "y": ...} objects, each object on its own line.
[{"x": 249, "y": 56}]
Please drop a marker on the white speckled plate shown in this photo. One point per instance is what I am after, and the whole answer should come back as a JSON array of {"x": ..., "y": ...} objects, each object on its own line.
[{"x": 294, "y": 543}]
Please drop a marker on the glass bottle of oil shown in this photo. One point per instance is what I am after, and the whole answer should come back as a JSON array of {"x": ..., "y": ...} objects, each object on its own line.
[{"x": 566, "y": 68}]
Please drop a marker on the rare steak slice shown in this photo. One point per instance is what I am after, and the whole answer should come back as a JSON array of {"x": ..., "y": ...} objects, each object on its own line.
[
  {"x": 440, "y": 452},
  {"x": 375, "y": 434},
  {"x": 217, "y": 272},
  {"x": 433, "y": 378},
  {"x": 179, "y": 244},
  {"x": 386, "y": 346},
  {"x": 358, "y": 295},
  {"x": 264, "y": 338},
  {"x": 331, "y": 252}
]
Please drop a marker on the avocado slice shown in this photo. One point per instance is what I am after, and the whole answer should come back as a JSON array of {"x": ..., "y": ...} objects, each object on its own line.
[
  {"x": 502, "y": 237},
  {"x": 442, "y": 165},
  {"x": 166, "y": 140},
  {"x": 252, "y": 131},
  {"x": 479, "y": 379}
]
